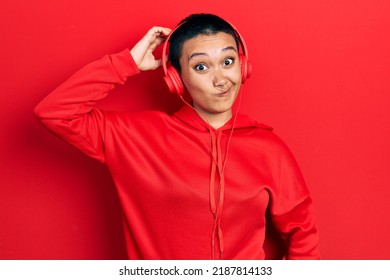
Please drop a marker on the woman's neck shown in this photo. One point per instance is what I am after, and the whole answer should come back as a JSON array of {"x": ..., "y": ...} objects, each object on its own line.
[{"x": 215, "y": 120}]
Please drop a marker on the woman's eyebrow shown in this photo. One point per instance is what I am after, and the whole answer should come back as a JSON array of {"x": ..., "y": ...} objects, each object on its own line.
[{"x": 205, "y": 54}]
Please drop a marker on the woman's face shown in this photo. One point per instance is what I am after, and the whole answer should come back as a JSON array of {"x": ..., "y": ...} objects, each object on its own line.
[{"x": 211, "y": 73}]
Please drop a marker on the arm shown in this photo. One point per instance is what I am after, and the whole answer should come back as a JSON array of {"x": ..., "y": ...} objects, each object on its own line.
[
  {"x": 69, "y": 110},
  {"x": 297, "y": 228},
  {"x": 292, "y": 209}
]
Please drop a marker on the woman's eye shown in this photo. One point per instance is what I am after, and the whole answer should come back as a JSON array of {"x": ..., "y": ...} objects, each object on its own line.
[
  {"x": 228, "y": 61},
  {"x": 200, "y": 67}
]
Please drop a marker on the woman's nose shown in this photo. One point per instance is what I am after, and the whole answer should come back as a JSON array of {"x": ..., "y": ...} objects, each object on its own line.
[{"x": 219, "y": 79}]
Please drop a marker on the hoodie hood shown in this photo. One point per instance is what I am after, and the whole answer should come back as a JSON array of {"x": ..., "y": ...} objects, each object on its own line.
[{"x": 188, "y": 115}]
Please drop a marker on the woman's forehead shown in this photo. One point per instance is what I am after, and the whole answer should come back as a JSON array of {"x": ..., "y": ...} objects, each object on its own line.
[{"x": 204, "y": 43}]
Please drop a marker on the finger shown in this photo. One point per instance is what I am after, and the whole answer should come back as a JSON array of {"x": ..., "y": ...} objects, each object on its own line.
[
  {"x": 164, "y": 30},
  {"x": 156, "y": 43},
  {"x": 158, "y": 63},
  {"x": 157, "y": 31},
  {"x": 158, "y": 39}
]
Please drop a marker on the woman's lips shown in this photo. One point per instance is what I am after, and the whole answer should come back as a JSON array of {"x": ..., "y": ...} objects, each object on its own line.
[{"x": 224, "y": 94}]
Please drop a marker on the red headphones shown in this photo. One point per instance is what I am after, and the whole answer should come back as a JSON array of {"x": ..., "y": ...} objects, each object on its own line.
[{"x": 173, "y": 79}]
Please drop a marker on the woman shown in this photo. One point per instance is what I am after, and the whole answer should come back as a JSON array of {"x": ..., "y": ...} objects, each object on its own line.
[{"x": 197, "y": 184}]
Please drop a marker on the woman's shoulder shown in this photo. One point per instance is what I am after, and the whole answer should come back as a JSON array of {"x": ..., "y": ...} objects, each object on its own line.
[
  {"x": 266, "y": 136},
  {"x": 148, "y": 119},
  {"x": 137, "y": 116}
]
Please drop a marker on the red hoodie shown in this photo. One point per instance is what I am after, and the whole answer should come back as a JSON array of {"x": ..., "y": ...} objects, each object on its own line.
[{"x": 182, "y": 196}]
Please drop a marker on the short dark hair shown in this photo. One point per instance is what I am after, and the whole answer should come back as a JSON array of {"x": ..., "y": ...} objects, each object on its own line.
[{"x": 193, "y": 26}]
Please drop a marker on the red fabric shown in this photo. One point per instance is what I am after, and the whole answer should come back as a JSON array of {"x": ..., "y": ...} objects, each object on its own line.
[{"x": 182, "y": 198}]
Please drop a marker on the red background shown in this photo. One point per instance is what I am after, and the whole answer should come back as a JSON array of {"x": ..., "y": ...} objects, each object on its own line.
[{"x": 320, "y": 78}]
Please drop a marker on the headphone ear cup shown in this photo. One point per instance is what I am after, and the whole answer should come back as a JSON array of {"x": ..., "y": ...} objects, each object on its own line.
[
  {"x": 246, "y": 68},
  {"x": 173, "y": 81}
]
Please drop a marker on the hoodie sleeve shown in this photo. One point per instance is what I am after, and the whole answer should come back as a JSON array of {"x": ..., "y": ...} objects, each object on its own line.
[
  {"x": 291, "y": 208},
  {"x": 69, "y": 110}
]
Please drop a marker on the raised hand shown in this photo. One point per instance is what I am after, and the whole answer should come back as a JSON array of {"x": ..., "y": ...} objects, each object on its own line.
[{"x": 142, "y": 52}]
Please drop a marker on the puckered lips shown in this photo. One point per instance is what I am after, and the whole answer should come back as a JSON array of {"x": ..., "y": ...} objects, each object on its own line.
[{"x": 224, "y": 93}]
